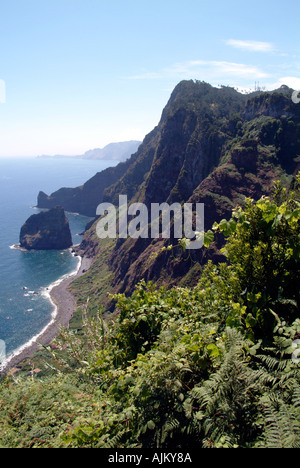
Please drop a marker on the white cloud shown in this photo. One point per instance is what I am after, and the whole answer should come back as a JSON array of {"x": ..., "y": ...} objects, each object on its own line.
[
  {"x": 239, "y": 70},
  {"x": 251, "y": 46},
  {"x": 209, "y": 70},
  {"x": 291, "y": 81}
]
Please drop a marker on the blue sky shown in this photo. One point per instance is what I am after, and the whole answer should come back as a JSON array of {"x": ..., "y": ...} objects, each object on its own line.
[{"x": 79, "y": 74}]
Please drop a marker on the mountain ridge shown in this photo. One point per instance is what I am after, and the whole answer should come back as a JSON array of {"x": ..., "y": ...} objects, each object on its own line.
[{"x": 212, "y": 145}]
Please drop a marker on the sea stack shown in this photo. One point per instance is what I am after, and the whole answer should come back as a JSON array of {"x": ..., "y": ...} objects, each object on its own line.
[{"x": 48, "y": 230}]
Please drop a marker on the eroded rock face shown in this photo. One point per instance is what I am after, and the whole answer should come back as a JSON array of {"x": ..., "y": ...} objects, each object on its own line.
[
  {"x": 212, "y": 146},
  {"x": 48, "y": 230}
]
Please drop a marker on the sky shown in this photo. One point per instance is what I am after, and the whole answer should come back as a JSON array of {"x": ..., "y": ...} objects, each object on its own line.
[{"x": 80, "y": 74}]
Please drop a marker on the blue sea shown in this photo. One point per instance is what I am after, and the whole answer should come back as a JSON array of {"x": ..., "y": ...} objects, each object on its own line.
[{"x": 23, "y": 314}]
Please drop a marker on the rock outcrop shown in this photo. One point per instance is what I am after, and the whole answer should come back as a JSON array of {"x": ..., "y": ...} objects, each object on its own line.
[{"x": 48, "y": 230}]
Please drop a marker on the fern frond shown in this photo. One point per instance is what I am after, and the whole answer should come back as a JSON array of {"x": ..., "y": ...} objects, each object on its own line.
[
  {"x": 296, "y": 396},
  {"x": 282, "y": 425},
  {"x": 168, "y": 429}
]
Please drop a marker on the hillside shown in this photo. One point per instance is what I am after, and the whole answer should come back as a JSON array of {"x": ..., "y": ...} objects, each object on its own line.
[
  {"x": 201, "y": 349},
  {"x": 211, "y": 146},
  {"x": 179, "y": 369}
]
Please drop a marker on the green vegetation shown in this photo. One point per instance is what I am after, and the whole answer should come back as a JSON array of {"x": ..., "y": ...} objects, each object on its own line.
[
  {"x": 94, "y": 285},
  {"x": 181, "y": 368}
]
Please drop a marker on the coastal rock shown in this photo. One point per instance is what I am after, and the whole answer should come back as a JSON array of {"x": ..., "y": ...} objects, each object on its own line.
[{"x": 46, "y": 231}]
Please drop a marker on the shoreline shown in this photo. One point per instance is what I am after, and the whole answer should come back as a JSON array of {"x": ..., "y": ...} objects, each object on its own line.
[{"x": 64, "y": 306}]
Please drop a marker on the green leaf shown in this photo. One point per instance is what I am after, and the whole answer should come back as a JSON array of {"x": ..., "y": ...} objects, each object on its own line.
[
  {"x": 209, "y": 238},
  {"x": 228, "y": 227},
  {"x": 250, "y": 321},
  {"x": 213, "y": 350},
  {"x": 151, "y": 425}
]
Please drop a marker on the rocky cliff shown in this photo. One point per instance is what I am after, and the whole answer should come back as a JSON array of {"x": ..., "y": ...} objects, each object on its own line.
[
  {"x": 46, "y": 231},
  {"x": 213, "y": 146}
]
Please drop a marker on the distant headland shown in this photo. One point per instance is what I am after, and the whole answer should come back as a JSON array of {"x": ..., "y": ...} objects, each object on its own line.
[{"x": 113, "y": 152}]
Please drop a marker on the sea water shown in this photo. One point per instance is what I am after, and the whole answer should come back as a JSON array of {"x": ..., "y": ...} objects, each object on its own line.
[{"x": 25, "y": 308}]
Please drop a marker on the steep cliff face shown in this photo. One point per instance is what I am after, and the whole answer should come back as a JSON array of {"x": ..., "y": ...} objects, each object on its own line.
[
  {"x": 46, "y": 231},
  {"x": 184, "y": 147},
  {"x": 211, "y": 146},
  {"x": 208, "y": 150}
]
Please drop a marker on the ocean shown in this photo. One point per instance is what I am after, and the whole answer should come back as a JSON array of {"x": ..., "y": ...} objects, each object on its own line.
[{"x": 25, "y": 308}]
